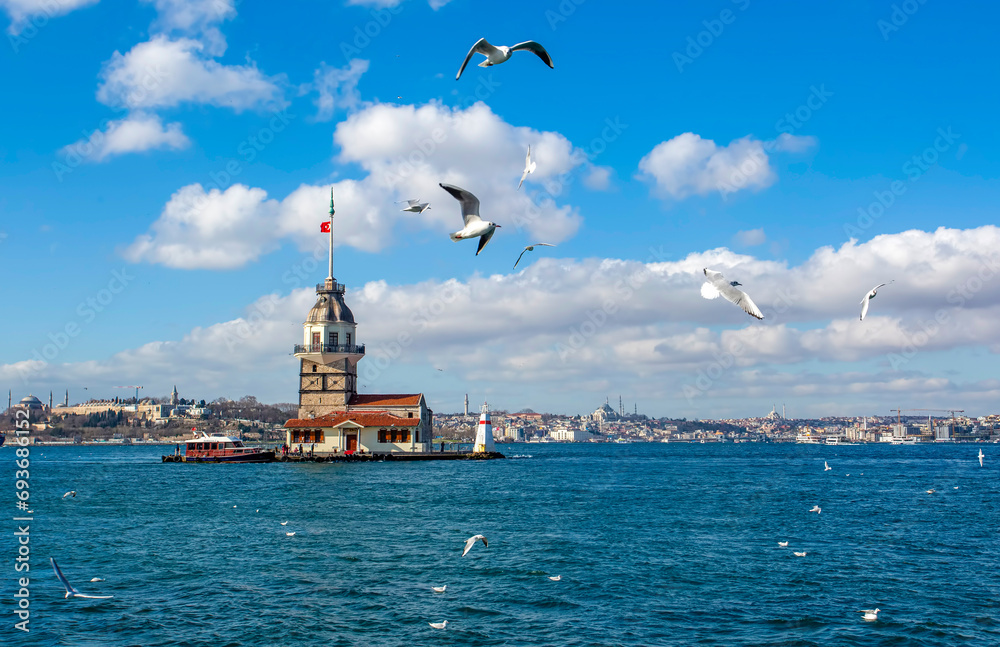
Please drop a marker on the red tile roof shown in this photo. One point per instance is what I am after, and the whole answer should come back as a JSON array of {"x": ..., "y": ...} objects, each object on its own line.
[
  {"x": 385, "y": 400},
  {"x": 363, "y": 418}
]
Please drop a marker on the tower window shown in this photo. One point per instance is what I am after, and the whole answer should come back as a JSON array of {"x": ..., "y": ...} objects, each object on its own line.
[
  {"x": 348, "y": 338},
  {"x": 314, "y": 368},
  {"x": 334, "y": 339}
]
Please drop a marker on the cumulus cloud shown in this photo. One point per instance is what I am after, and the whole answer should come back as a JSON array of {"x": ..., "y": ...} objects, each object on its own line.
[
  {"x": 404, "y": 152},
  {"x": 647, "y": 328},
  {"x": 136, "y": 133},
  {"x": 337, "y": 88},
  {"x": 598, "y": 178},
  {"x": 381, "y": 4},
  {"x": 23, "y": 11},
  {"x": 689, "y": 165},
  {"x": 163, "y": 73}
]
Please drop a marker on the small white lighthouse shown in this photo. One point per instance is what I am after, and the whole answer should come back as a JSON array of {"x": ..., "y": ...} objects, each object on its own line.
[{"x": 484, "y": 433}]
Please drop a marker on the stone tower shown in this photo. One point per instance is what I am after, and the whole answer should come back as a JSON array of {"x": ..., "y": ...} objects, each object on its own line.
[{"x": 330, "y": 352}]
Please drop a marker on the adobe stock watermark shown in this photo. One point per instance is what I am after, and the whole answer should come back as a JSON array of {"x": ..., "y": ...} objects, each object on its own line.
[
  {"x": 758, "y": 158},
  {"x": 958, "y": 296},
  {"x": 899, "y": 16},
  {"x": 382, "y": 357},
  {"x": 33, "y": 25},
  {"x": 580, "y": 335},
  {"x": 86, "y": 311},
  {"x": 424, "y": 148},
  {"x": 22, "y": 492},
  {"x": 714, "y": 27},
  {"x": 553, "y": 187},
  {"x": 913, "y": 169},
  {"x": 365, "y": 34},
  {"x": 723, "y": 361},
  {"x": 563, "y": 11}
]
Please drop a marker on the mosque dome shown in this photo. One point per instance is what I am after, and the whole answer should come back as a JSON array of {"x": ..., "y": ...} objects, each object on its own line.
[
  {"x": 31, "y": 402},
  {"x": 330, "y": 308}
]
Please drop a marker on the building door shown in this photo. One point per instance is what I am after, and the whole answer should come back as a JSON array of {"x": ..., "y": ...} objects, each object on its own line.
[
  {"x": 317, "y": 339},
  {"x": 351, "y": 442}
]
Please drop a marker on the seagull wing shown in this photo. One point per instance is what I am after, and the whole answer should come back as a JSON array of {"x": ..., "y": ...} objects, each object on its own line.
[
  {"x": 864, "y": 305},
  {"x": 519, "y": 257},
  {"x": 469, "y": 543},
  {"x": 62, "y": 578},
  {"x": 92, "y": 597},
  {"x": 523, "y": 175},
  {"x": 532, "y": 46},
  {"x": 485, "y": 238},
  {"x": 742, "y": 299},
  {"x": 469, "y": 202},
  {"x": 482, "y": 47}
]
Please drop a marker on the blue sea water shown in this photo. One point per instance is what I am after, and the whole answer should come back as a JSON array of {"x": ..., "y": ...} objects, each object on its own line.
[{"x": 657, "y": 544}]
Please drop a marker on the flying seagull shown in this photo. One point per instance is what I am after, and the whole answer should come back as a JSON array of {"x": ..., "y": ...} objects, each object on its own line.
[
  {"x": 871, "y": 614},
  {"x": 474, "y": 225},
  {"x": 416, "y": 206},
  {"x": 439, "y": 625},
  {"x": 556, "y": 578},
  {"x": 783, "y": 544},
  {"x": 70, "y": 591},
  {"x": 717, "y": 285},
  {"x": 529, "y": 167},
  {"x": 73, "y": 492},
  {"x": 470, "y": 542},
  {"x": 816, "y": 509},
  {"x": 826, "y": 467},
  {"x": 439, "y": 589},
  {"x": 980, "y": 457},
  {"x": 498, "y": 55},
  {"x": 530, "y": 248},
  {"x": 868, "y": 297}
]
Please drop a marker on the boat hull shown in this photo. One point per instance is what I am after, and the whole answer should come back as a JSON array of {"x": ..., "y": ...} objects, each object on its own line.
[{"x": 259, "y": 457}]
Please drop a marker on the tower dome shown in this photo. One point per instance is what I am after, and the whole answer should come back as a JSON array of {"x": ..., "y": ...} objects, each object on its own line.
[{"x": 330, "y": 308}]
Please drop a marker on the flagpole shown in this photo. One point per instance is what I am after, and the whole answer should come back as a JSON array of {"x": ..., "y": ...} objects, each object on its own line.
[{"x": 331, "y": 233}]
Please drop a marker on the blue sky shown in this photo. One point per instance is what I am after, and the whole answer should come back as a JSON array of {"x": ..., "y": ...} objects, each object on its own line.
[{"x": 184, "y": 93}]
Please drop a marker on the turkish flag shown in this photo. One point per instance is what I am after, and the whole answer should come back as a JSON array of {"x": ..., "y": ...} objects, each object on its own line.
[{"x": 325, "y": 227}]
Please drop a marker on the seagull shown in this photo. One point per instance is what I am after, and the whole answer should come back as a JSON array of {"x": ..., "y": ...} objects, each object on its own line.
[
  {"x": 416, "y": 206},
  {"x": 816, "y": 509},
  {"x": 530, "y": 248},
  {"x": 498, "y": 55},
  {"x": 73, "y": 492},
  {"x": 798, "y": 554},
  {"x": 234, "y": 506},
  {"x": 717, "y": 285},
  {"x": 470, "y": 542},
  {"x": 439, "y": 625},
  {"x": 439, "y": 589},
  {"x": 826, "y": 467},
  {"x": 97, "y": 579},
  {"x": 474, "y": 225},
  {"x": 783, "y": 544},
  {"x": 529, "y": 167},
  {"x": 980, "y": 462},
  {"x": 931, "y": 491},
  {"x": 70, "y": 591},
  {"x": 871, "y": 614},
  {"x": 556, "y": 578},
  {"x": 284, "y": 523},
  {"x": 289, "y": 534},
  {"x": 869, "y": 297}
]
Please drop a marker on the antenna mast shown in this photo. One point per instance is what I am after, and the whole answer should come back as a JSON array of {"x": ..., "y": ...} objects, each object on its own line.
[{"x": 331, "y": 233}]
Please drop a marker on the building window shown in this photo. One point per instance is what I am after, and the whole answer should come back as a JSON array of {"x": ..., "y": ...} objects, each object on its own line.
[
  {"x": 317, "y": 338},
  {"x": 409, "y": 414},
  {"x": 393, "y": 436},
  {"x": 314, "y": 368},
  {"x": 334, "y": 339},
  {"x": 348, "y": 335}
]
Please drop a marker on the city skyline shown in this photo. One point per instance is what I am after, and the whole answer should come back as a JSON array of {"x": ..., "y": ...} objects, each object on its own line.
[{"x": 163, "y": 191}]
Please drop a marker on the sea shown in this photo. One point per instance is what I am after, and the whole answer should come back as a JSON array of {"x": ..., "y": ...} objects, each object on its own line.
[{"x": 654, "y": 544}]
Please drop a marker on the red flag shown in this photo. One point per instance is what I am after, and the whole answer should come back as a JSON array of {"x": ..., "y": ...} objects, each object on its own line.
[{"x": 325, "y": 227}]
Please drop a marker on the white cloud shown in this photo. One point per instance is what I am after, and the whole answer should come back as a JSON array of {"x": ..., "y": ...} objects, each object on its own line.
[
  {"x": 751, "y": 237},
  {"x": 164, "y": 73},
  {"x": 689, "y": 165},
  {"x": 23, "y": 12},
  {"x": 337, "y": 88},
  {"x": 598, "y": 178},
  {"x": 405, "y": 152},
  {"x": 381, "y": 4},
  {"x": 643, "y": 324},
  {"x": 136, "y": 133}
]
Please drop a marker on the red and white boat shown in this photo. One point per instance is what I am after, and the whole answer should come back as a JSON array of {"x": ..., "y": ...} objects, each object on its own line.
[{"x": 221, "y": 449}]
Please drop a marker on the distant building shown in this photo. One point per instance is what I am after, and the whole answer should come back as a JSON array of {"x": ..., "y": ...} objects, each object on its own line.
[{"x": 605, "y": 414}]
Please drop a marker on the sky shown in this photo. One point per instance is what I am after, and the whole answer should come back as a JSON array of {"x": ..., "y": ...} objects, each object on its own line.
[{"x": 166, "y": 166}]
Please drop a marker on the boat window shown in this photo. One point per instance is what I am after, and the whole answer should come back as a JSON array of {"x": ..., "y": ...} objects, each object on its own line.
[{"x": 238, "y": 443}]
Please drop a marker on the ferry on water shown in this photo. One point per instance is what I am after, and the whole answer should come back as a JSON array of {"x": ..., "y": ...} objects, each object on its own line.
[{"x": 219, "y": 449}]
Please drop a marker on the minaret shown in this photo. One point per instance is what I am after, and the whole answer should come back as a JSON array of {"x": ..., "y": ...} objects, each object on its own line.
[
  {"x": 174, "y": 399},
  {"x": 329, "y": 353},
  {"x": 50, "y": 401},
  {"x": 783, "y": 412},
  {"x": 484, "y": 433},
  {"x": 466, "y": 404},
  {"x": 66, "y": 399}
]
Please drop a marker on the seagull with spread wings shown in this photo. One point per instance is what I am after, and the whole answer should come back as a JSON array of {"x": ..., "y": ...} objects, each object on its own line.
[
  {"x": 529, "y": 167},
  {"x": 530, "y": 248},
  {"x": 415, "y": 206},
  {"x": 471, "y": 541},
  {"x": 718, "y": 285},
  {"x": 475, "y": 227},
  {"x": 72, "y": 592},
  {"x": 502, "y": 54},
  {"x": 868, "y": 297}
]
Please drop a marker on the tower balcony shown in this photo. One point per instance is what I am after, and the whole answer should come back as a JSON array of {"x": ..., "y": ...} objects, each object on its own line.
[
  {"x": 340, "y": 349},
  {"x": 331, "y": 286}
]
